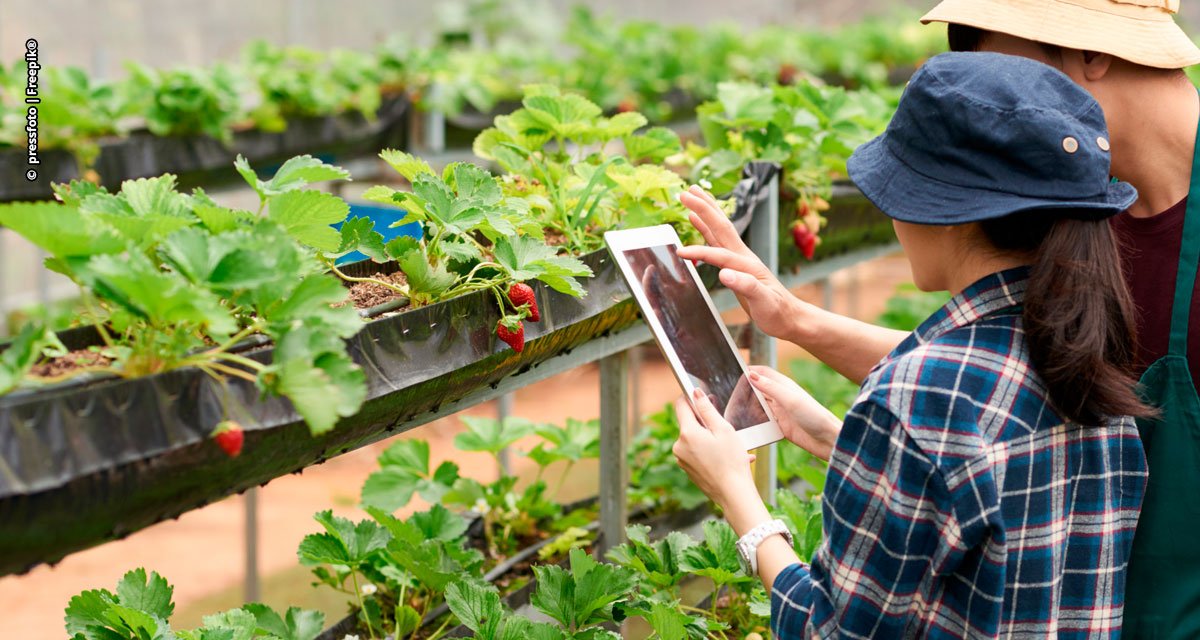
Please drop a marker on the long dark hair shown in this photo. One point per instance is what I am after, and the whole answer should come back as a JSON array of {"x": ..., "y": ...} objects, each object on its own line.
[{"x": 1078, "y": 315}]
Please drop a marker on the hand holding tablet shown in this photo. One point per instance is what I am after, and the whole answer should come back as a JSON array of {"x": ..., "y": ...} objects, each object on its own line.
[{"x": 688, "y": 329}]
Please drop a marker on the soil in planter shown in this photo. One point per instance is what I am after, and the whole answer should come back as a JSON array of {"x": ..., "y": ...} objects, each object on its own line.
[
  {"x": 365, "y": 295},
  {"x": 555, "y": 238},
  {"x": 69, "y": 363}
]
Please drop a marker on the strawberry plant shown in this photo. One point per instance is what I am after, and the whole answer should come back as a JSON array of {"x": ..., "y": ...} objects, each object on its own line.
[
  {"x": 555, "y": 150},
  {"x": 394, "y": 571},
  {"x": 657, "y": 482},
  {"x": 185, "y": 101},
  {"x": 141, "y": 608},
  {"x": 172, "y": 280},
  {"x": 810, "y": 130},
  {"x": 296, "y": 82},
  {"x": 583, "y": 596},
  {"x": 404, "y": 471}
]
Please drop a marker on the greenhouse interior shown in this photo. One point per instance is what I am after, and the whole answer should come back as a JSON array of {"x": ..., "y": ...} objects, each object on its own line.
[{"x": 509, "y": 319}]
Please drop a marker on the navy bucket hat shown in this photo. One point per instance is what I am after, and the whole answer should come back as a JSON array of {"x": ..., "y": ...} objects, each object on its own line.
[{"x": 985, "y": 135}]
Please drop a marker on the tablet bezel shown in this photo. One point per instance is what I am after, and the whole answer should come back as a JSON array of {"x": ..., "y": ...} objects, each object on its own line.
[{"x": 618, "y": 242}]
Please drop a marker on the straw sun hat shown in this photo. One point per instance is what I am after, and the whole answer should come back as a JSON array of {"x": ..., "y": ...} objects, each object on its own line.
[{"x": 1140, "y": 31}]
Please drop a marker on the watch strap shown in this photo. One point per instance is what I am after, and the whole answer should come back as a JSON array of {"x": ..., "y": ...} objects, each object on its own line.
[{"x": 748, "y": 544}]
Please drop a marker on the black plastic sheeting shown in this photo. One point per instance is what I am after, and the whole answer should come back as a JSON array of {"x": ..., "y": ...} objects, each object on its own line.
[
  {"x": 202, "y": 160},
  {"x": 90, "y": 461}
]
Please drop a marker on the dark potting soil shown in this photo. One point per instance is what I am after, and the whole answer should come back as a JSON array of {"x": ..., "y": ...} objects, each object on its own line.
[
  {"x": 72, "y": 361},
  {"x": 365, "y": 295}
]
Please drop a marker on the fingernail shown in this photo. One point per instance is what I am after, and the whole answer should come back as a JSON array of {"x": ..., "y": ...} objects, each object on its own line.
[
  {"x": 697, "y": 394},
  {"x": 754, "y": 376}
]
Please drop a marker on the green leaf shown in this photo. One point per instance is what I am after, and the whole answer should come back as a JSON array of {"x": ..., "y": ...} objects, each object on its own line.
[
  {"x": 311, "y": 303},
  {"x": 389, "y": 489},
  {"x": 149, "y": 594},
  {"x": 653, "y": 146},
  {"x": 438, "y": 523},
  {"x": 301, "y": 171},
  {"x": 162, "y": 298},
  {"x": 297, "y": 624},
  {"x": 154, "y": 196},
  {"x": 307, "y": 216},
  {"x": 31, "y": 344},
  {"x": 406, "y": 164},
  {"x": 407, "y": 455},
  {"x": 220, "y": 219},
  {"x": 716, "y": 558},
  {"x": 238, "y": 624},
  {"x": 425, "y": 281},
  {"x": 312, "y": 369},
  {"x": 60, "y": 230},
  {"x": 381, "y": 194},
  {"x": 583, "y": 596},
  {"x": 354, "y": 542},
  {"x": 87, "y": 613},
  {"x": 490, "y": 435},
  {"x": 527, "y": 259},
  {"x": 359, "y": 234},
  {"x": 477, "y": 606}
]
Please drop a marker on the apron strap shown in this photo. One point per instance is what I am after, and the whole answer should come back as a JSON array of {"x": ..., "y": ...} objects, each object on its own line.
[{"x": 1189, "y": 260}]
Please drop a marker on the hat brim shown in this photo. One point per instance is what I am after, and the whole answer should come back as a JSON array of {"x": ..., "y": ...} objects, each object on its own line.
[
  {"x": 906, "y": 195},
  {"x": 1143, "y": 35}
]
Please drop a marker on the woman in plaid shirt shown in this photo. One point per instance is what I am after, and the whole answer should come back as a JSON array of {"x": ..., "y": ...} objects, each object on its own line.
[{"x": 987, "y": 481}]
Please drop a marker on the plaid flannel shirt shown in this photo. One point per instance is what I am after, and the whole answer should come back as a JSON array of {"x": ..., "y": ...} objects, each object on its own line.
[{"x": 960, "y": 505}]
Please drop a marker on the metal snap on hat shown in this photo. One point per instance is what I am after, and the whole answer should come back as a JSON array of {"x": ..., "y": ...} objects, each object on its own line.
[
  {"x": 1141, "y": 31},
  {"x": 985, "y": 135}
]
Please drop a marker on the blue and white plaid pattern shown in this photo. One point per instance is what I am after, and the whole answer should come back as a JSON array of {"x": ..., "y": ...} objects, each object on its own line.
[{"x": 959, "y": 505}]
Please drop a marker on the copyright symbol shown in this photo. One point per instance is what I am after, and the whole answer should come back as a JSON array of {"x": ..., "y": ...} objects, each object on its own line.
[
  {"x": 31, "y": 175},
  {"x": 31, "y": 44}
]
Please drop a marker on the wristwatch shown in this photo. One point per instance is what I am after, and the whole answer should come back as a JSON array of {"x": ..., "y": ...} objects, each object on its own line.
[{"x": 747, "y": 545}]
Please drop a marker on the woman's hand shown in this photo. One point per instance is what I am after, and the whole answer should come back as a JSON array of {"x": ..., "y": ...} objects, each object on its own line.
[
  {"x": 713, "y": 457},
  {"x": 803, "y": 420},
  {"x": 771, "y": 306}
]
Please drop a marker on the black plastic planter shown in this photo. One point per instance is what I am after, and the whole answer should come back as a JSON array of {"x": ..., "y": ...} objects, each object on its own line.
[
  {"x": 84, "y": 463},
  {"x": 202, "y": 160},
  {"x": 94, "y": 460}
]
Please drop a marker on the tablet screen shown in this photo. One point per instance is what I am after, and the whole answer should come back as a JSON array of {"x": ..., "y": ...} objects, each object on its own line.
[{"x": 695, "y": 337}]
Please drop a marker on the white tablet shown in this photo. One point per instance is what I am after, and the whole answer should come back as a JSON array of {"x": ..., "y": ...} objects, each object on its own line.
[{"x": 688, "y": 329}]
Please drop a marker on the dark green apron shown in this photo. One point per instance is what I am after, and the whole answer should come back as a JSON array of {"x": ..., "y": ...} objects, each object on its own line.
[{"x": 1163, "y": 590}]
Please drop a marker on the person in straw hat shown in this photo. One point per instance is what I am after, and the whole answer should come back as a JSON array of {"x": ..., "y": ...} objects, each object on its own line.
[
  {"x": 988, "y": 479},
  {"x": 1129, "y": 54}
]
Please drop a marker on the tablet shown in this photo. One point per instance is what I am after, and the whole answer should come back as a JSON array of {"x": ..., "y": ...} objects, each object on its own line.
[{"x": 688, "y": 329}]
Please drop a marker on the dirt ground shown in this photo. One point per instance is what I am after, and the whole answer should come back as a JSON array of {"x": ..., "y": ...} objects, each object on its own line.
[{"x": 202, "y": 553}]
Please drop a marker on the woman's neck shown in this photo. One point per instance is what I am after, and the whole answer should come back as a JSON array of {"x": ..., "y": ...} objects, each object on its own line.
[
  {"x": 972, "y": 271},
  {"x": 1156, "y": 142}
]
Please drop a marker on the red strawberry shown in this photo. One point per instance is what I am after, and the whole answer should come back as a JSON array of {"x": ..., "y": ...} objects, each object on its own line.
[
  {"x": 787, "y": 74},
  {"x": 521, "y": 294},
  {"x": 805, "y": 239},
  {"x": 229, "y": 437},
  {"x": 511, "y": 330},
  {"x": 626, "y": 106}
]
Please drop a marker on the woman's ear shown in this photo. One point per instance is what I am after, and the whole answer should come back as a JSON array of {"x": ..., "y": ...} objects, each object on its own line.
[{"x": 1088, "y": 65}]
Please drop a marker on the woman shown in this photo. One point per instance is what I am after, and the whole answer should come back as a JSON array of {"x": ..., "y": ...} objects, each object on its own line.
[{"x": 988, "y": 479}]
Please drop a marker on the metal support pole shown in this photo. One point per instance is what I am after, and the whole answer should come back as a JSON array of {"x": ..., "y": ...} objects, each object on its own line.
[
  {"x": 251, "y": 589},
  {"x": 614, "y": 442},
  {"x": 4, "y": 269},
  {"x": 635, "y": 389},
  {"x": 764, "y": 241},
  {"x": 435, "y": 123},
  {"x": 827, "y": 294},
  {"x": 504, "y": 406}
]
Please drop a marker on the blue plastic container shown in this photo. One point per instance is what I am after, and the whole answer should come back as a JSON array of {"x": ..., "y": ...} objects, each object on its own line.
[{"x": 383, "y": 217}]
